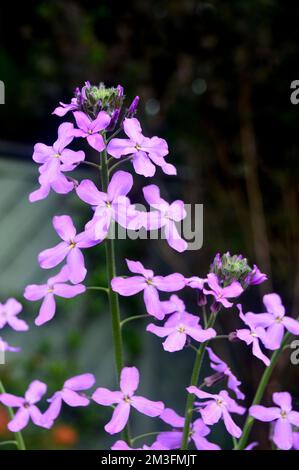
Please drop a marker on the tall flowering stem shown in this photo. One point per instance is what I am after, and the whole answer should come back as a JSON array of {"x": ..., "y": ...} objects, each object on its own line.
[
  {"x": 260, "y": 392},
  {"x": 194, "y": 381},
  {"x": 18, "y": 435}
]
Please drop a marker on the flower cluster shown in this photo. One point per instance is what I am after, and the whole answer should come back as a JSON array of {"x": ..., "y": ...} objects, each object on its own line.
[{"x": 99, "y": 116}]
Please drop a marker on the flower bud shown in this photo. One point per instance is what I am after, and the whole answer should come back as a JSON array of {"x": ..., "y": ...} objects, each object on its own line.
[
  {"x": 92, "y": 99},
  {"x": 229, "y": 268},
  {"x": 213, "y": 379},
  {"x": 133, "y": 107}
]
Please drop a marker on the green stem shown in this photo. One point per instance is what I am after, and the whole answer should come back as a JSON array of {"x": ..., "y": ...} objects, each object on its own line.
[
  {"x": 104, "y": 289},
  {"x": 113, "y": 296},
  {"x": 18, "y": 435},
  {"x": 120, "y": 162},
  {"x": 260, "y": 392},
  {"x": 141, "y": 436},
  {"x": 135, "y": 317},
  {"x": 194, "y": 381},
  {"x": 8, "y": 443}
]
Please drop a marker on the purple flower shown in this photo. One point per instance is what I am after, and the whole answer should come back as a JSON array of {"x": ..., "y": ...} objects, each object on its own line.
[
  {"x": 173, "y": 305},
  {"x": 296, "y": 440},
  {"x": 177, "y": 329},
  {"x": 64, "y": 108},
  {"x": 275, "y": 321},
  {"x": 8, "y": 315},
  {"x": 164, "y": 215},
  {"x": 69, "y": 248},
  {"x": 283, "y": 416},
  {"x": 122, "y": 445},
  {"x": 54, "y": 161},
  {"x": 218, "y": 406},
  {"x": 56, "y": 285},
  {"x": 4, "y": 346},
  {"x": 27, "y": 408},
  {"x": 252, "y": 335},
  {"x": 113, "y": 205},
  {"x": 222, "y": 368},
  {"x": 173, "y": 439},
  {"x": 150, "y": 284},
  {"x": 221, "y": 294},
  {"x": 90, "y": 129},
  {"x": 133, "y": 106},
  {"x": 124, "y": 399},
  {"x": 256, "y": 277},
  {"x": 71, "y": 394},
  {"x": 146, "y": 152}
]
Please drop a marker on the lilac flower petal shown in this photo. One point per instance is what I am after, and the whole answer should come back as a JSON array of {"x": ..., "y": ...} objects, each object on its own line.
[
  {"x": 20, "y": 420},
  {"x": 75, "y": 262},
  {"x": 137, "y": 268},
  {"x": 17, "y": 324},
  {"x": 171, "y": 439},
  {"x": 41, "y": 152},
  {"x": 293, "y": 417},
  {"x": 129, "y": 380},
  {"x": 152, "y": 196},
  {"x": 36, "y": 416},
  {"x": 35, "y": 391},
  {"x": 133, "y": 130},
  {"x": 172, "y": 282},
  {"x": 54, "y": 409},
  {"x": 147, "y": 407},
  {"x": 273, "y": 304},
  {"x": 101, "y": 122},
  {"x": 39, "y": 194},
  {"x": 47, "y": 310},
  {"x": 160, "y": 331},
  {"x": 283, "y": 399},
  {"x": 233, "y": 290},
  {"x": 262, "y": 413},
  {"x": 143, "y": 165},
  {"x": 200, "y": 393},
  {"x": 105, "y": 397},
  {"x": 89, "y": 193},
  {"x": 73, "y": 398},
  {"x": 201, "y": 443},
  {"x": 121, "y": 445},
  {"x": 282, "y": 435},
  {"x": 230, "y": 425},
  {"x": 82, "y": 120},
  {"x": 291, "y": 325},
  {"x": 169, "y": 169},
  {"x": 64, "y": 227},
  {"x": 173, "y": 238},
  {"x": 169, "y": 416},
  {"x": 35, "y": 292},
  {"x": 119, "y": 418},
  {"x": 80, "y": 382},
  {"x": 53, "y": 256},
  {"x": 128, "y": 286},
  {"x": 120, "y": 185},
  {"x": 66, "y": 291},
  {"x": 199, "y": 334},
  {"x": 257, "y": 352},
  {"x": 96, "y": 141},
  {"x": 211, "y": 413},
  {"x": 65, "y": 136},
  {"x": 274, "y": 336},
  {"x": 119, "y": 147},
  {"x": 152, "y": 302},
  {"x": 175, "y": 341},
  {"x": 13, "y": 401}
]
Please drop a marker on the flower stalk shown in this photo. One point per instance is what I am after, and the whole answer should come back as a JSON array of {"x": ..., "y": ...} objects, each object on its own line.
[{"x": 18, "y": 435}]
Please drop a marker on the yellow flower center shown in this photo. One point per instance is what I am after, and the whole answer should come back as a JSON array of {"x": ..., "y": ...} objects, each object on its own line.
[
  {"x": 56, "y": 155},
  {"x": 181, "y": 329},
  {"x": 72, "y": 245}
]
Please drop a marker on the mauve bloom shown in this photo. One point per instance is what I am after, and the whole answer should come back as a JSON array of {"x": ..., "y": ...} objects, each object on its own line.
[
  {"x": 8, "y": 315},
  {"x": 275, "y": 321},
  {"x": 90, "y": 129},
  {"x": 133, "y": 106},
  {"x": 218, "y": 406},
  {"x": 146, "y": 152},
  {"x": 252, "y": 335},
  {"x": 173, "y": 439},
  {"x": 69, "y": 248},
  {"x": 256, "y": 277},
  {"x": 222, "y": 368},
  {"x": 150, "y": 284},
  {"x": 66, "y": 107},
  {"x": 27, "y": 406},
  {"x": 71, "y": 394},
  {"x": 124, "y": 399},
  {"x": 164, "y": 215},
  {"x": 221, "y": 294},
  {"x": 177, "y": 329},
  {"x": 4, "y": 346},
  {"x": 113, "y": 205},
  {"x": 296, "y": 440},
  {"x": 173, "y": 305},
  {"x": 284, "y": 418},
  {"x": 55, "y": 285}
]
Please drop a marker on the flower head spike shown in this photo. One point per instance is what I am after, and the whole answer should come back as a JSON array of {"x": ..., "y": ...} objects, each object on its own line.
[
  {"x": 150, "y": 284},
  {"x": 9, "y": 312},
  {"x": 55, "y": 286},
  {"x": 146, "y": 152},
  {"x": 90, "y": 129},
  {"x": 69, "y": 248},
  {"x": 71, "y": 393},
  {"x": 125, "y": 399},
  {"x": 173, "y": 439},
  {"x": 222, "y": 368},
  {"x": 216, "y": 407},
  {"x": 222, "y": 294},
  {"x": 252, "y": 335},
  {"x": 282, "y": 415},
  {"x": 27, "y": 408},
  {"x": 165, "y": 215},
  {"x": 178, "y": 328},
  {"x": 113, "y": 205},
  {"x": 275, "y": 321}
]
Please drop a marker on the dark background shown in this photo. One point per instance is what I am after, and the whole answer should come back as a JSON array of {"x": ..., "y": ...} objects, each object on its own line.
[{"x": 214, "y": 80}]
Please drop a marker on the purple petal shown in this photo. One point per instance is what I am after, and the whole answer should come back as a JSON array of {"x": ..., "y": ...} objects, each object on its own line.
[
  {"x": 67, "y": 292},
  {"x": 13, "y": 401},
  {"x": 54, "y": 409},
  {"x": 293, "y": 417},
  {"x": 256, "y": 350},
  {"x": 233, "y": 290},
  {"x": 151, "y": 194},
  {"x": 120, "y": 185},
  {"x": 283, "y": 399},
  {"x": 262, "y": 413},
  {"x": 175, "y": 341},
  {"x": 37, "y": 417},
  {"x": 53, "y": 256},
  {"x": 211, "y": 413},
  {"x": 35, "y": 391},
  {"x": 147, "y": 407},
  {"x": 39, "y": 194},
  {"x": 119, "y": 418},
  {"x": 273, "y": 304},
  {"x": 89, "y": 193},
  {"x": 82, "y": 121},
  {"x": 133, "y": 130},
  {"x": 17, "y": 324},
  {"x": 96, "y": 141},
  {"x": 64, "y": 227},
  {"x": 230, "y": 425},
  {"x": 274, "y": 336},
  {"x": 291, "y": 325},
  {"x": 73, "y": 398},
  {"x": 119, "y": 147},
  {"x": 152, "y": 302},
  {"x": 171, "y": 440},
  {"x": 143, "y": 165},
  {"x": 170, "y": 417},
  {"x": 101, "y": 122},
  {"x": 173, "y": 238},
  {"x": 172, "y": 282},
  {"x": 129, "y": 380},
  {"x": 75, "y": 262},
  {"x": 47, "y": 310},
  {"x": 105, "y": 397},
  {"x": 80, "y": 382},
  {"x": 41, "y": 153},
  {"x": 35, "y": 292},
  {"x": 137, "y": 268},
  {"x": 20, "y": 420},
  {"x": 160, "y": 331},
  {"x": 282, "y": 435},
  {"x": 199, "y": 334},
  {"x": 121, "y": 445},
  {"x": 128, "y": 286}
]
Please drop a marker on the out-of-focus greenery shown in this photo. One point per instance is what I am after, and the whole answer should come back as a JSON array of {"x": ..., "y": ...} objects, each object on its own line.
[{"x": 214, "y": 80}]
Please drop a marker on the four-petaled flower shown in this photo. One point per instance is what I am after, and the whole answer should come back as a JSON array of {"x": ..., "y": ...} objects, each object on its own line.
[
  {"x": 252, "y": 335},
  {"x": 146, "y": 152},
  {"x": 69, "y": 248},
  {"x": 177, "y": 329},
  {"x": 216, "y": 407},
  {"x": 125, "y": 399},
  {"x": 56, "y": 285},
  {"x": 113, "y": 205},
  {"x": 150, "y": 284},
  {"x": 91, "y": 129},
  {"x": 164, "y": 215},
  {"x": 283, "y": 416},
  {"x": 222, "y": 368},
  {"x": 275, "y": 321},
  {"x": 221, "y": 294},
  {"x": 71, "y": 394},
  {"x": 8, "y": 315},
  {"x": 173, "y": 439},
  {"x": 26, "y": 407}
]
